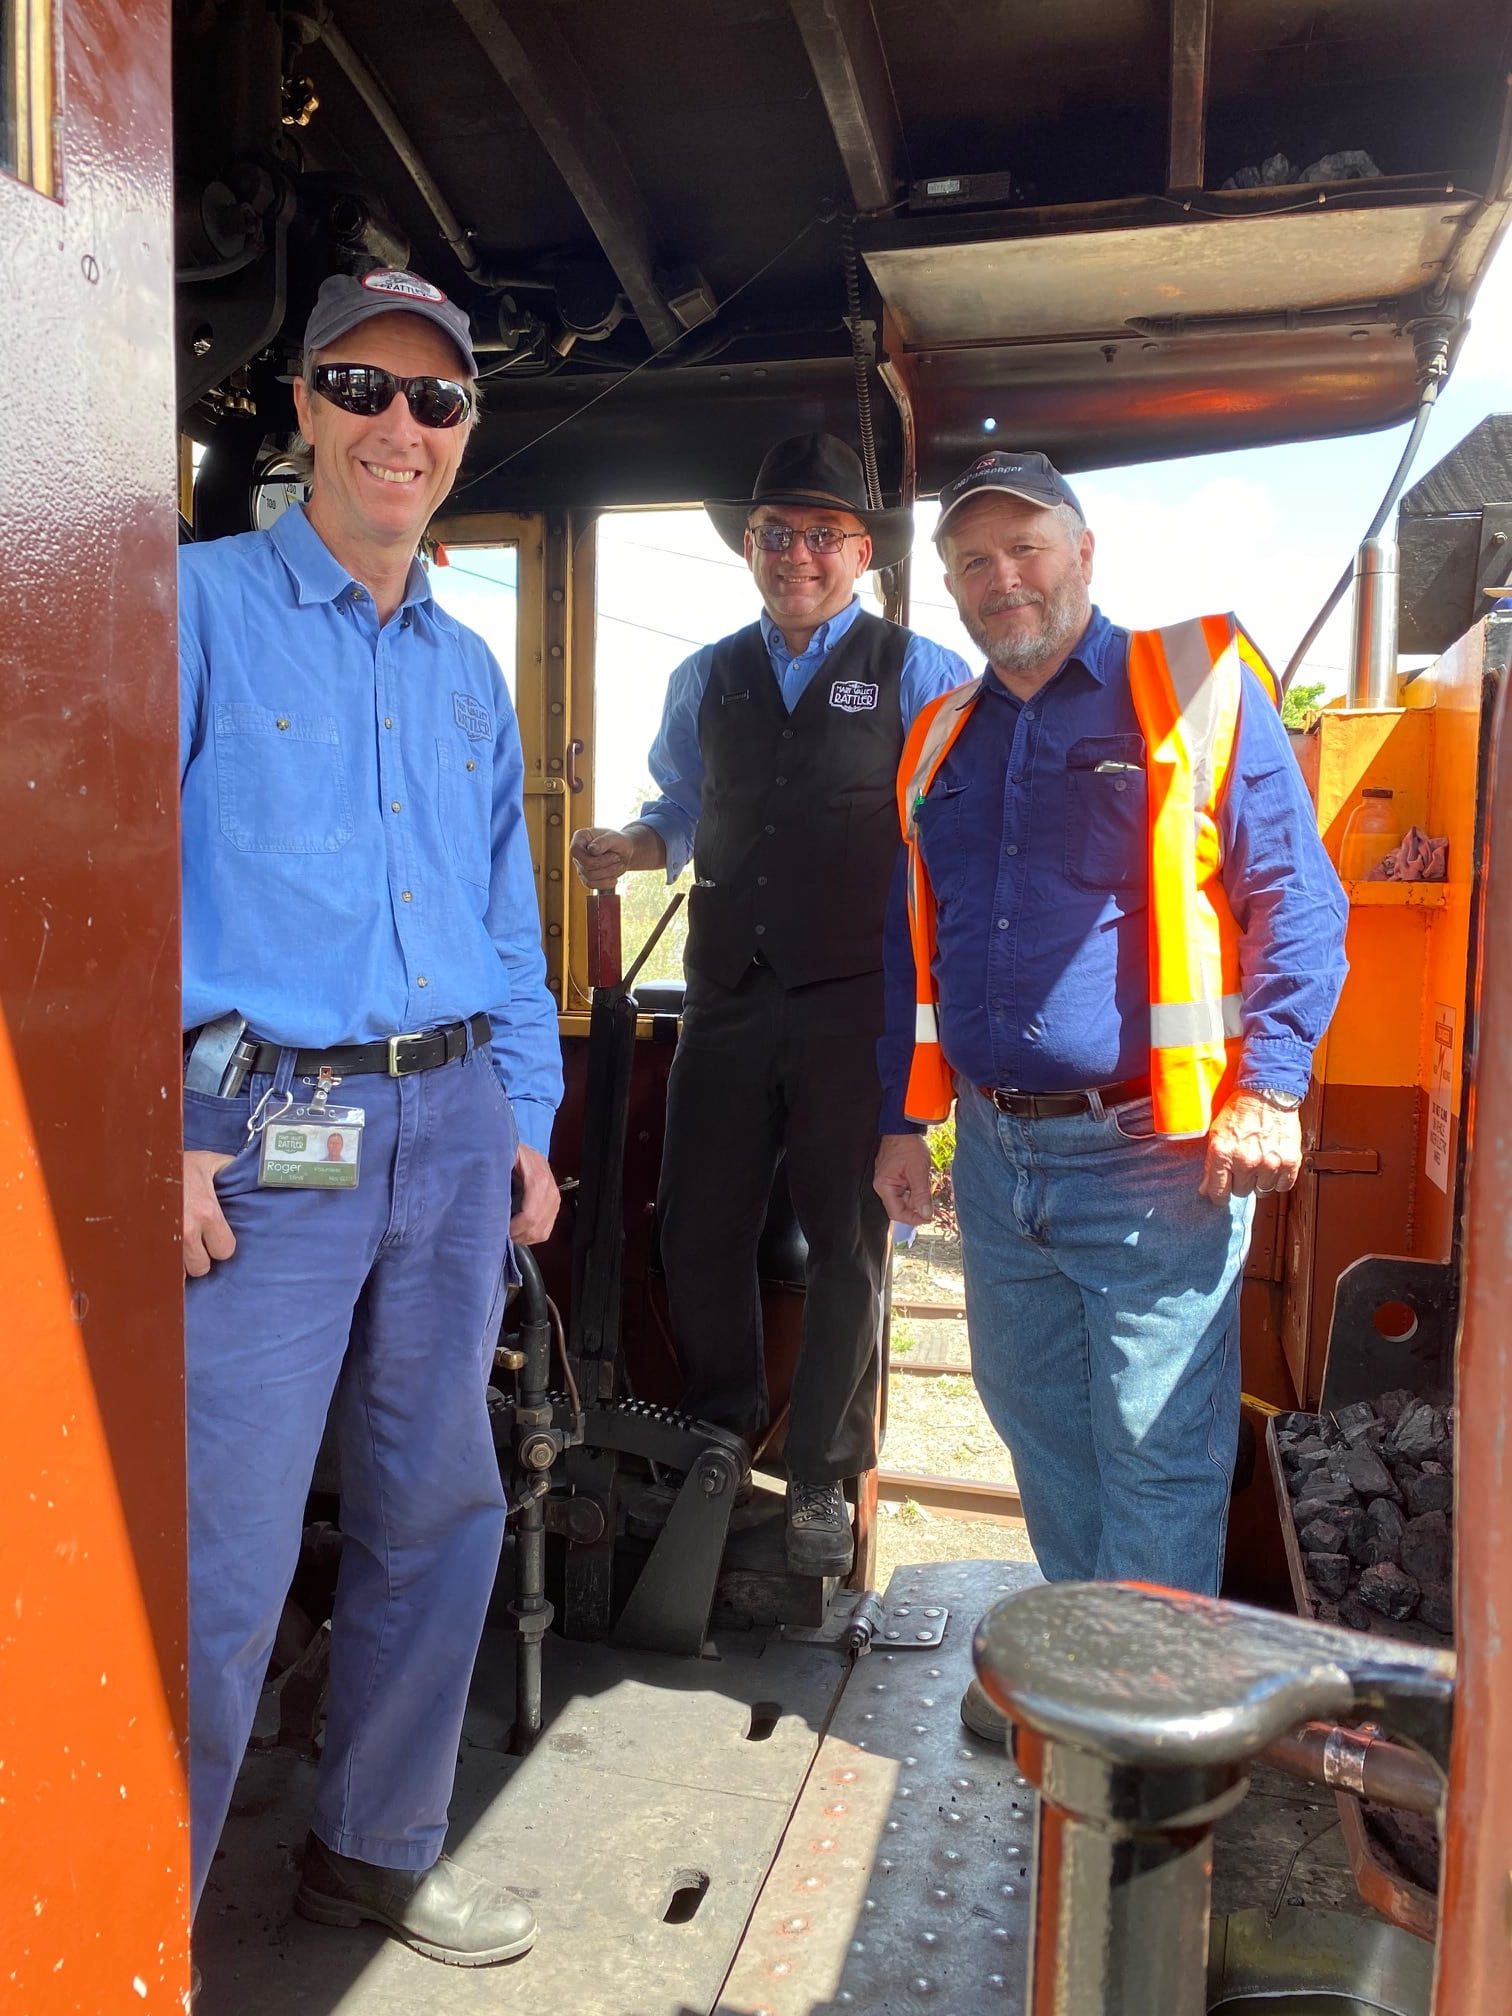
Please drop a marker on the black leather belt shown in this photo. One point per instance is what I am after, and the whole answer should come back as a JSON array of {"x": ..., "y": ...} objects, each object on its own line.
[
  {"x": 393, "y": 1056},
  {"x": 1059, "y": 1105}
]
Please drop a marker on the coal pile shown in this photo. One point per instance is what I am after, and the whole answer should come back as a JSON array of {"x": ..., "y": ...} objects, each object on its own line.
[{"x": 1372, "y": 1497}]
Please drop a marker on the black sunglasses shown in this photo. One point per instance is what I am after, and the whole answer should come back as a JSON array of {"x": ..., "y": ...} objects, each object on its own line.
[
  {"x": 364, "y": 389},
  {"x": 818, "y": 538}
]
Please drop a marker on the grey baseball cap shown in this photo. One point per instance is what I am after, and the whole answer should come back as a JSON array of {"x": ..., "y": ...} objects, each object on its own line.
[
  {"x": 347, "y": 299},
  {"x": 1013, "y": 472}
]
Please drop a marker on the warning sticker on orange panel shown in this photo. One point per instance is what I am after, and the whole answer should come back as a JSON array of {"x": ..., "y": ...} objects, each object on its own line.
[{"x": 1440, "y": 1097}]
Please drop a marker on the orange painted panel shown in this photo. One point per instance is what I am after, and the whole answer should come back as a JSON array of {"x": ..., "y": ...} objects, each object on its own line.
[{"x": 93, "y": 1828}]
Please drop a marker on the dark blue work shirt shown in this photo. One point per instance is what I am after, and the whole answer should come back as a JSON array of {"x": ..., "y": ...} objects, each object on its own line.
[{"x": 1035, "y": 835}]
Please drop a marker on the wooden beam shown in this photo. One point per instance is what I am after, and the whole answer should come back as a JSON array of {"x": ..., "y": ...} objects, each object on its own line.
[
  {"x": 1191, "y": 53},
  {"x": 527, "y": 50},
  {"x": 850, "y": 65}
]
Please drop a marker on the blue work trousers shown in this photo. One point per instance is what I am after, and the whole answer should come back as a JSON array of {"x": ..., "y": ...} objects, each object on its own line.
[
  {"x": 386, "y": 1300},
  {"x": 1102, "y": 1299}
]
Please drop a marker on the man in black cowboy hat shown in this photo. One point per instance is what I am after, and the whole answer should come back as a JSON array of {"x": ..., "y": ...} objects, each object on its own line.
[{"x": 777, "y": 762}]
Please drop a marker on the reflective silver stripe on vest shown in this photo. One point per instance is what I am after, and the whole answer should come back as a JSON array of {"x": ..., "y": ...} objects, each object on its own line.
[
  {"x": 1194, "y": 678},
  {"x": 938, "y": 733},
  {"x": 926, "y": 1027},
  {"x": 1180, "y": 1025}
]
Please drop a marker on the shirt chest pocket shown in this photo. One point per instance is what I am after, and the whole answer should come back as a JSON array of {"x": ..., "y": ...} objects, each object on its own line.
[
  {"x": 942, "y": 821},
  {"x": 281, "y": 781},
  {"x": 465, "y": 802},
  {"x": 1107, "y": 817}
]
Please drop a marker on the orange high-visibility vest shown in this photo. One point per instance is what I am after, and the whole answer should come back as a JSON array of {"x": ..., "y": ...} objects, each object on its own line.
[{"x": 1185, "y": 682}]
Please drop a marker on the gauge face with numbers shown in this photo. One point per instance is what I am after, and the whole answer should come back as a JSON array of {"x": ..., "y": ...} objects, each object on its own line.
[{"x": 274, "y": 491}]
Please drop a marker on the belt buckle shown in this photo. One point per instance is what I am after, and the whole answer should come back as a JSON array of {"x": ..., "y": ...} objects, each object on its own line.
[{"x": 396, "y": 1068}]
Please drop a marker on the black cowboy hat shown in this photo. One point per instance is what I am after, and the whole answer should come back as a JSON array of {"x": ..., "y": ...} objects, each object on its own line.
[{"x": 814, "y": 470}]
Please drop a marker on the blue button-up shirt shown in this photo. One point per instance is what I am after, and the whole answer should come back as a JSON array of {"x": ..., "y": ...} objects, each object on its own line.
[
  {"x": 676, "y": 760},
  {"x": 1035, "y": 836},
  {"x": 355, "y": 854}
]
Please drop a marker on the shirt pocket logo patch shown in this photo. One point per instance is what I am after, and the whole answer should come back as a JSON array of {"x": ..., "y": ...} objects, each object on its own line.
[
  {"x": 472, "y": 717},
  {"x": 281, "y": 781}
]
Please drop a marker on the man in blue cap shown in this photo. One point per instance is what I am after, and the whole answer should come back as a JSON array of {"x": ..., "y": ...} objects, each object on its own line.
[{"x": 362, "y": 956}]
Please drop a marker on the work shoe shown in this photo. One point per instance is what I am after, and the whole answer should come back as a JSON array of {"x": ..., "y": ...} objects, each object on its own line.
[
  {"x": 819, "y": 1538},
  {"x": 445, "y": 1912},
  {"x": 983, "y": 1717}
]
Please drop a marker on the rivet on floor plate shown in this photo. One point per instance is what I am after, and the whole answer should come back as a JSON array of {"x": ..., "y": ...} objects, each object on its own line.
[
  {"x": 926, "y": 1638},
  {"x": 910, "y": 1761},
  {"x": 895, "y": 1634},
  {"x": 950, "y": 1855},
  {"x": 870, "y": 1904},
  {"x": 858, "y": 1946},
  {"x": 929, "y": 1938},
  {"x": 932, "y": 1611},
  {"x": 921, "y": 1728},
  {"x": 795, "y": 1925},
  {"x": 955, "y": 1819},
  {"x": 934, "y": 1671},
  {"x": 1008, "y": 1890},
  {"x": 845, "y": 1996},
  {"x": 879, "y": 1686},
  {"x": 922, "y": 1985},
  {"x": 965, "y": 1750},
  {"x": 887, "y": 1865},
  {"x": 997, "y": 1981},
  {"x": 963, "y": 1784},
  {"x": 825, "y": 1846},
  {"x": 780, "y": 1967},
  {"x": 901, "y": 1611},
  {"x": 905, "y": 1791},
  {"x": 928, "y": 1701},
  {"x": 869, "y": 1715},
  {"x": 942, "y": 1896},
  {"x": 846, "y": 1777},
  {"x": 1001, "y": 1934},
  {"x": 892, "y": 1826},
  {"x": 837, "y": 1810},
  {"x": 812, "y": 1883}
]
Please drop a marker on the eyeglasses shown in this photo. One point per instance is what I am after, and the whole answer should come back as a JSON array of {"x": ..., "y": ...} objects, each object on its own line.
[
  {"x": 365, "y": 390},
  {"x": 817, "y": 538}
]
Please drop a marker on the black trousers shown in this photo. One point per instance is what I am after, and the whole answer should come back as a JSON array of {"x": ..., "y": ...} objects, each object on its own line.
[{"x": 763, "y": 1071}]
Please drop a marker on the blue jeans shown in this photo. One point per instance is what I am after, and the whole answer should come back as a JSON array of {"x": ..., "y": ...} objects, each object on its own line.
[
  {"x": 385, "y": 1299},
  {"x": 1102, "y": 1298}
]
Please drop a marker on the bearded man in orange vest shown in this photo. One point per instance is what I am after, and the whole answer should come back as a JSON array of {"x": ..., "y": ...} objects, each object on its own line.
[{"x": 1120, "y": 943}]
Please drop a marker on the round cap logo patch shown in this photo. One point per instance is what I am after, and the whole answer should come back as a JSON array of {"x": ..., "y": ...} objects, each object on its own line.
[{"x": 409, "y": 285}]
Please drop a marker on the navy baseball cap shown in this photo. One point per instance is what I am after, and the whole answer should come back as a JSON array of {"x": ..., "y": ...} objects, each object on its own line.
[
  {"x": 1014, "y": 472},
  {"x": 348, "y": 299}
]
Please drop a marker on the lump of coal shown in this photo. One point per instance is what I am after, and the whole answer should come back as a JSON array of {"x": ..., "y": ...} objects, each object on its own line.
[
  {"x": 1329, "y": 1574},
  {"x": 1431, "y": 1491},
  {"x": 1350, "y": 1520},
  {"x": 1388, "y": 1591},
  {"x": 1427, "y": 1549},
  {"x": 1436, "y": 1610},
  {"x": 1392, "y": 1406},
  {"x": 1419, "y": 1434},
  {"x": 1322, "y": 1536},
  {"x": 1321, "y": 1490},
  {"x": 1359, "y": 1423},
  {"x": 1353, "y": 1613},
  {"x": 1364, "y": 1472},
  {"x": 1384, "y": 1521}
]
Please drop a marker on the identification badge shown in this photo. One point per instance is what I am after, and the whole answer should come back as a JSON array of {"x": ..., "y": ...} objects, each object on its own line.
[{"x": 316, "y": 1146}]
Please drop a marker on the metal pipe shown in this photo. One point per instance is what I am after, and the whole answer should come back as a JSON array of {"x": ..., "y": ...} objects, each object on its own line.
[
  {"x": 531, "y": 1610},
  {"x": 319, "y": 27},
  {"x": 1352, "y": 1760},
  {"x": 1372, "y": 663}
]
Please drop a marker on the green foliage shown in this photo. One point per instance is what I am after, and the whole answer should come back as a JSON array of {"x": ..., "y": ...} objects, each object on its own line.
[
  {"x": 941, "y": 1141},
  {"x": 643, "y": 898},
  {"x": 1302, "y": 705}
]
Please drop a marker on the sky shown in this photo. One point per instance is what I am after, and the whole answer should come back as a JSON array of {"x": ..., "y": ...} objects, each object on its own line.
[{"x": 1264, "y": 531}]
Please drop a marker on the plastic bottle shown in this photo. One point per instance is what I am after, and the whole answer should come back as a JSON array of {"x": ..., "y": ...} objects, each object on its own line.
[{"x": 1372, "y": 833}]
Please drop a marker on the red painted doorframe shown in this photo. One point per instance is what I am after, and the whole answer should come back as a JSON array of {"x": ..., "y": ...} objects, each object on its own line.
[{"x": 93, "y": 1820}]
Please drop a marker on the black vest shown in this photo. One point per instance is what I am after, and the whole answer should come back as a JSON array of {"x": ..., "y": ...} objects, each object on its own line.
[{"x": 798, "y": 829}]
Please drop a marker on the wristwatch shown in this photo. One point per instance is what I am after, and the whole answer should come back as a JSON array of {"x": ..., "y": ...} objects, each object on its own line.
[{"x": 1284, "y": 1102}]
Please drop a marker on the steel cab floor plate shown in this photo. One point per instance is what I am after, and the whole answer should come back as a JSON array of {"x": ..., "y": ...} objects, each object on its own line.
[
  {"x": 642, "y": 1827},
  {"x": 772, "y": 1832}
]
